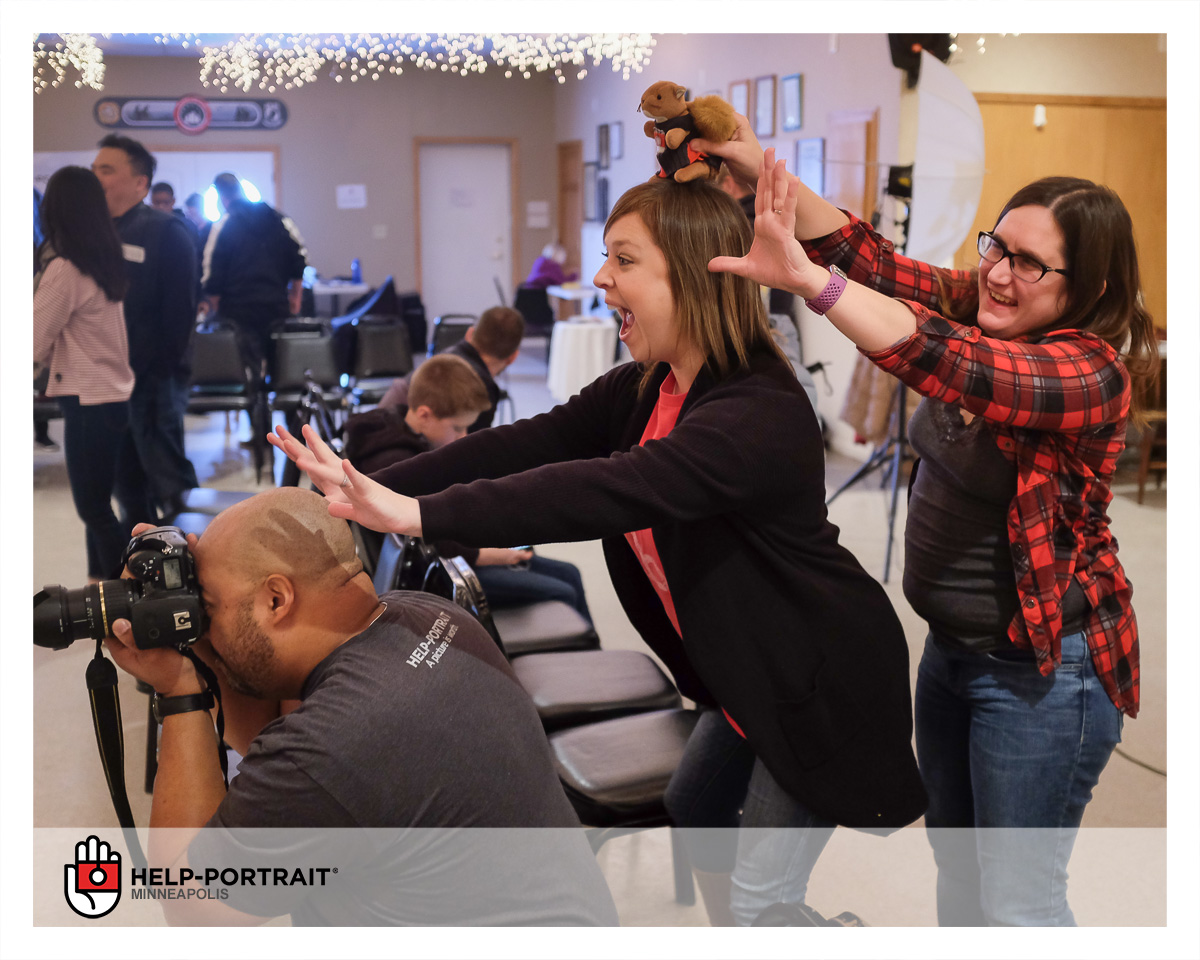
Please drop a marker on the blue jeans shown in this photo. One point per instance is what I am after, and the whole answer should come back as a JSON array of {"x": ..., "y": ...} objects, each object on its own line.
[
  {"x": 92, "y": 437},
  {"x": 734, "y": 816},
  {"x": 153, "y": 465},
  {"x": 545, "y": 579},
  {"x": 1009, "y": 759}
]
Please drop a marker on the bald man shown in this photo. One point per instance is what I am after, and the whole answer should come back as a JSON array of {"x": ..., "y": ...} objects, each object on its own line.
[{"x": 408, "y": 717}]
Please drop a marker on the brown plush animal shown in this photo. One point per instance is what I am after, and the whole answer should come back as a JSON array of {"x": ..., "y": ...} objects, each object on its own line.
[{"x": 674, "y": 122}]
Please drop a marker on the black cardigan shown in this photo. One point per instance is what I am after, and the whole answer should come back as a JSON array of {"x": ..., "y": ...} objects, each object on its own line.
[{"x": 781, "y": 625}]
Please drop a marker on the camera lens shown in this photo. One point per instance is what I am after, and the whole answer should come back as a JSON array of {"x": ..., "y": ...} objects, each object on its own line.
[{"x": 61, "y": 616}]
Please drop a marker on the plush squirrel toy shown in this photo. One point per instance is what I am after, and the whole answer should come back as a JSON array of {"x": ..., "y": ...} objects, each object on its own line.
[{"x": 675, "y": 122}]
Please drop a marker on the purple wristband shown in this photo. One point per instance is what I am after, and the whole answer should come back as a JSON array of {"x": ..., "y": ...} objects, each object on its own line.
[{"x": 829, "y": 296}]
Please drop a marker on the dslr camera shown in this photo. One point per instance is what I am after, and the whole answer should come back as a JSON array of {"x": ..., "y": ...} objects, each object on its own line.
[{"x": 162, "y": 601}]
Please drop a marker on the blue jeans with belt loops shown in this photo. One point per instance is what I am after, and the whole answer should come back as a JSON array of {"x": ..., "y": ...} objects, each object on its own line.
[{"x": 1009, "y": 759}]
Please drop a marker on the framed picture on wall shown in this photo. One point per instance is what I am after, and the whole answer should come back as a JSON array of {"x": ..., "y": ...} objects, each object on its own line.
[
  {"x": 791, "y": 93},
  {"x": 810, "y": 164},
  {"x": 616, "y": 136},
  {"x": 739, "y": 97},
  {"x": 602, "y": 145},
  {"x": 590, "y": 174},
  {"x": 764, "y": 106}
]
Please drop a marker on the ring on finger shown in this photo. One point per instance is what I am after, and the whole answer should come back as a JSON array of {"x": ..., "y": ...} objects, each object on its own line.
[{"x": 345, "y": 481}]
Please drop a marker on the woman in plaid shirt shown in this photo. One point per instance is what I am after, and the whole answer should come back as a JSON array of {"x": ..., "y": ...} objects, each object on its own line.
[{"x": 1029, "y": 366}]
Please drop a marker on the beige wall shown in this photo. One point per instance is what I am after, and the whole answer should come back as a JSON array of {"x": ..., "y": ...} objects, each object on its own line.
[
  {"x": 342, "y": 133},
  {"x": 1096, "y": 65}
]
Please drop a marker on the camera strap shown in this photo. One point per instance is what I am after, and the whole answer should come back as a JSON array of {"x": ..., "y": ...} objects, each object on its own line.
[
  {"x": 110, "y": 739},
  {"x": 105, "y": 700}
]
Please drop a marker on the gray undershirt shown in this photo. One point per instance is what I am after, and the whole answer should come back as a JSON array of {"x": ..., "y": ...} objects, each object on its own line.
[{"x": 958, "y": 571}]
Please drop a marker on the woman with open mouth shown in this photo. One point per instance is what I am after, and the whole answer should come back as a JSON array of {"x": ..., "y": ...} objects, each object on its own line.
[
  {"x": 701, "y": 467},
  {"x": 1029, "y": 366}
]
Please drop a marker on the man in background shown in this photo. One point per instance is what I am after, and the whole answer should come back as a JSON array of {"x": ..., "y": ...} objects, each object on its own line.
[
  {"x": 154, "y": 472},
  {"x": 253, "y": 265}
]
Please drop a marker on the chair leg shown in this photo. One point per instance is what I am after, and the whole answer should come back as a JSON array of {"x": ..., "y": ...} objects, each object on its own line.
[{"x": 685, "y": 888}]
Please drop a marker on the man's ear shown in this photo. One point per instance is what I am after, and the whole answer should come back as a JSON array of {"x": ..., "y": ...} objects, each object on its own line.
[
  {"x": 279, "y": 595},
  {"x": 469, "y": 336}
]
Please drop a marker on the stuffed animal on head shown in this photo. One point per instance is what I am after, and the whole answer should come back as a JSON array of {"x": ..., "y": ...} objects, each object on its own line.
[{"x": 674, "y": 122}]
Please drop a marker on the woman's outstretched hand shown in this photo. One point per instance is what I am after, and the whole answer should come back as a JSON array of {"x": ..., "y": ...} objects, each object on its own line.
[
  {"x": 775, "y": 258},
  {"x": 351, "y": 495}
]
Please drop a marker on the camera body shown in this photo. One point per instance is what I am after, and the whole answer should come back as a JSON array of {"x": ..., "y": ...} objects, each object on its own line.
[{"x": 161, "y": 601}]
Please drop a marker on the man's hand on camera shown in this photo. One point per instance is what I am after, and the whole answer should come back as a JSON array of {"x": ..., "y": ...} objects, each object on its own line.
[{"x": 166, "y": 670}]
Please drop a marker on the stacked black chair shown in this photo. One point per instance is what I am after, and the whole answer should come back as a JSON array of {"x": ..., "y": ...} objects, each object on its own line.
[
  {"x": 568, "y": 685},
  {"x": 613, "y": 771},
  {"x": 449, "y": 329},
  {"x": 533, "y": 303},
  {"x": 381, "y": 353},
  {"x": 221, "y": 382}
]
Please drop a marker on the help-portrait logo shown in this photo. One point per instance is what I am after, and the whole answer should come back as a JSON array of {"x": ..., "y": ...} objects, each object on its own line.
[{"x": 93, "y": 881}]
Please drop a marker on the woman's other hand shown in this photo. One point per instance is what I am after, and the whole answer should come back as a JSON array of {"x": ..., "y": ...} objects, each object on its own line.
[
  {"x": 775, "y": 258},
  {"x": 741, "y": 152}
]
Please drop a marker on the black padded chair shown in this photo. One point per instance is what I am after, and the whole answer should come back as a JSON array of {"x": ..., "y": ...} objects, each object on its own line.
[
  {"x": 221, "y": 382},
  {"x": 449, "y": 329},
  {"x": 382, "y": 354},
  {"x": 302, "y": 356},
  {"x": 569, "y": 687},
  {"x": 533, "y": 303}
]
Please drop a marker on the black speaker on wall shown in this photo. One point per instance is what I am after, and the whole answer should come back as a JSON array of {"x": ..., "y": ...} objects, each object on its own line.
[{"x": 906, "y": 51}]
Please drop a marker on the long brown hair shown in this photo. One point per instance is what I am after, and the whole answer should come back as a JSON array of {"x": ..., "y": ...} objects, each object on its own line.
[
  {"x": 1103, "y": 281},
  {"x": 720, "y": 314},
  {"x": 78, "y": 227}
]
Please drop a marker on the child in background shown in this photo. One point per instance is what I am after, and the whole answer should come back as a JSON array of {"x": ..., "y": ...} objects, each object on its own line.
[{"x": 445, "y": 397}]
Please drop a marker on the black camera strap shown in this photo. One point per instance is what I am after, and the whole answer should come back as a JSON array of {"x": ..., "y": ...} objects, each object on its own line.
[
  {"x": 105, "y": 701},
  {"x": 110, "y": 739}
]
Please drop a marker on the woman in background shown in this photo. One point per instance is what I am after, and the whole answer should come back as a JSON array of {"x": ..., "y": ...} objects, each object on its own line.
[
  {"x": 547, "y": 269},
  {"x": 79, "y": 334}
]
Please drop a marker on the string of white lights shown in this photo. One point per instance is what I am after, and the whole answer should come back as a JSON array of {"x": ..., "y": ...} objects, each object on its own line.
[
  {"x": 75, "y": 50},
  {"x": 289, "y": 61}
]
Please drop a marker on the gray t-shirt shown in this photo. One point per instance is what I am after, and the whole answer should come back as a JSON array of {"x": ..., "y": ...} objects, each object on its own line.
[{"x": 417, "y": 766}]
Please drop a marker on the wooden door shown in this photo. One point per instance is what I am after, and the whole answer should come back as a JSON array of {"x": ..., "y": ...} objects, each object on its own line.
[
  {"x": 570, "y": 201},
  {"x": 851, "y": 161},
  {"x": 1117, "y": 141}
]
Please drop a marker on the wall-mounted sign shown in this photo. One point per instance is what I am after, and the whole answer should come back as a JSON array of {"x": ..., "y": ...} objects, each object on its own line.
[{"x": 190, "y": 114}]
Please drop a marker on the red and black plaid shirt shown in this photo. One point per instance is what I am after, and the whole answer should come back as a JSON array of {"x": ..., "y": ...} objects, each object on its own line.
[{"x": 1058, "y": 408}]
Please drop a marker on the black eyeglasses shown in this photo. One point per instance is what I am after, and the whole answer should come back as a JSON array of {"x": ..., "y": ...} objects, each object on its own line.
[{"x": 993, "y": 250}]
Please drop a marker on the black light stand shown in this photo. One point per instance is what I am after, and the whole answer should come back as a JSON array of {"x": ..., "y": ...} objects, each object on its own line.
[{"x": 894, "y": 450}]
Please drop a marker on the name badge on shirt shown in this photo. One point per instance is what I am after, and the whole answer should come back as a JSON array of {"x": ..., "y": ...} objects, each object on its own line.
[{"x": 134, "y": 253}]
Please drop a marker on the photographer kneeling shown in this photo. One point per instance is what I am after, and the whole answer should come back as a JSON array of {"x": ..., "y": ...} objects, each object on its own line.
[{"x": 409, "y": 717}]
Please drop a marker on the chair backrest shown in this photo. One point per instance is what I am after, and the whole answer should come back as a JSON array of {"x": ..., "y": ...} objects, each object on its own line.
[
  {"x": 533, "y": 303},
  {"x": 449, "y": 329},
  {"x": 382, "y": 350},
  {"x": 296, "y": 355},
  {"x": 453, "y": 579},
  {"x": 412, "y": 313},
  {"x": 216, "y": 360}
]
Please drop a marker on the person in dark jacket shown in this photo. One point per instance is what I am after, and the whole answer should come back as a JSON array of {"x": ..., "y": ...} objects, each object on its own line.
[
  {"x": 701, "y": 468},
  {"x": 252, "y": 270},
  {"x": 160, "y": 315}
]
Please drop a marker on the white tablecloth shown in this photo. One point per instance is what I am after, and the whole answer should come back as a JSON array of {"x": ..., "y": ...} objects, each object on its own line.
[
  {"x": 580, "y": 351},
  {"x": 335, "y": 291}
]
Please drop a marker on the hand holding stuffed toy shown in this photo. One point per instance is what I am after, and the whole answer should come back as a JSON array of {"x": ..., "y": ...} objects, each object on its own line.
[{"x": 674, "y": 122}]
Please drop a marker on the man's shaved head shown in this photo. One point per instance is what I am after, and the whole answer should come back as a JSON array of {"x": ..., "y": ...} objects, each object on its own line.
[{"x": 287, "y": 531}]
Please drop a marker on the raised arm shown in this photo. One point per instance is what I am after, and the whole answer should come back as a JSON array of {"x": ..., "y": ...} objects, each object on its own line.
[{"x": 777, "y": 260}]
